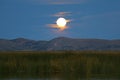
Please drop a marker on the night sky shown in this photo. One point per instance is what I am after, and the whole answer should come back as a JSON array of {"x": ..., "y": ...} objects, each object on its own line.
[{"x": 30, "y": 19}]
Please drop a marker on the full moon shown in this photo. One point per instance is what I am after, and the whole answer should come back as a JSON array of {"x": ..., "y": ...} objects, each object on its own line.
[{"x": 61, "y": 22}]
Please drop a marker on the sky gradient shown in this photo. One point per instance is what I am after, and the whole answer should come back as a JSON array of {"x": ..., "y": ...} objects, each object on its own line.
[{"x": 30, "y": 19}]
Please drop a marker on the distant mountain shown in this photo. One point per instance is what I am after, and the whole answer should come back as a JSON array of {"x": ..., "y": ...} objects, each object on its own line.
[{"x": 60, "y": 43}]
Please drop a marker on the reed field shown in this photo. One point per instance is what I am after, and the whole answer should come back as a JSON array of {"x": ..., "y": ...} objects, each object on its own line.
[{"x": 42, "y": 63}]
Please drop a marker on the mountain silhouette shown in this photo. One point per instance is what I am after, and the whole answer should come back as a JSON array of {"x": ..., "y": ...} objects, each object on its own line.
[{"x": 60, "y": 43}]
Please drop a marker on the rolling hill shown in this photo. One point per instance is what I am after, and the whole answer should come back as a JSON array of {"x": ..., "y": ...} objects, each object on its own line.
[{"x": 60, "y": 43}]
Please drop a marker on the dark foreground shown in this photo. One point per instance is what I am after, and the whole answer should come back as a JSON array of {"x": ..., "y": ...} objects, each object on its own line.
[{"x": 82, "y": 64}]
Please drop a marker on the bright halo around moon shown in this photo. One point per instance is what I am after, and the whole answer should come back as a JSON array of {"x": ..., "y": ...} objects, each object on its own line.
[{"x": 61, "y": 22}]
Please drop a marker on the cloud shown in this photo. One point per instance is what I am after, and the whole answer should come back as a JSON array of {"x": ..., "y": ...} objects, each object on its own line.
[
  {"x": 62, "y": 14},
  {"x": 50, "y": 2},
  {"x": 67, "y": 1},
  {"x": 52, "y": 25},
  {"x": 57, "y": 2},
  {"x": 55, "y": 26}
]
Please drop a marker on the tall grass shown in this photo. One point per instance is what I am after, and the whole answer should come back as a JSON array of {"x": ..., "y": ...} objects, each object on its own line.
[{"x": 80, "y": 63}]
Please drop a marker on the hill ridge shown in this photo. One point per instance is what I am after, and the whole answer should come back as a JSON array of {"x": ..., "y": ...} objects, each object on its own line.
[{"x": 59, "y": 43}]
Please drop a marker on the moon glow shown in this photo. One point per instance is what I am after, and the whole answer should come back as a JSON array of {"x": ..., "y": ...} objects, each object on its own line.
[{"x": 61, "y": 24}]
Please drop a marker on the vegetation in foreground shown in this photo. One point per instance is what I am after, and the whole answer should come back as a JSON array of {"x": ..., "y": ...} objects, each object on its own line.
[{"x": 80, "y": 63}]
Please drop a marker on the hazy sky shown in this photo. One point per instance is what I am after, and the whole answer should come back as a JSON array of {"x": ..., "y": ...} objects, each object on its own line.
[{"x": 30, "y": 18}]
